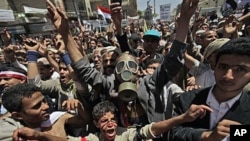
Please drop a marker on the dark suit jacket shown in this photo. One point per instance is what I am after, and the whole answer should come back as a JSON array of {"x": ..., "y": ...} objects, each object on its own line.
[{"x": 192, "y": 131}]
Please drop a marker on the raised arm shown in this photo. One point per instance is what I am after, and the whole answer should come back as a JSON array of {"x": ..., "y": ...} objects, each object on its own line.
[
  {"x": 6, "y": 37},
  {"x": 60, "y": 21},
  {"x": 10, "y": 57},
  {"x": 174, "y": 60},
  {"x": 80, "y": 62},
  {"x": 190, "y": 61},
  {"x": 188, "y": 8},
  {"x": 116, "y": 15},
  {"x": 25, "y": 133},
  {"x": 191, "y": 114},
  {"x": 32, "y": 54},
  {"x": 33, "y": 75}
]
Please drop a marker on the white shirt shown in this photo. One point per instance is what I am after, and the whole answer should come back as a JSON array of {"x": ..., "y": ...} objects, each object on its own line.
[
  {"x": 55, "y": 75},
  {"x": 219, "y": 109},
  {"x": 170, "y": 88},
  {"x": 2, "y": 110},
  {"x": 204, "y": 75},
  {"x": 52, "y": 119},
  {"x": 206, "y": 79}
]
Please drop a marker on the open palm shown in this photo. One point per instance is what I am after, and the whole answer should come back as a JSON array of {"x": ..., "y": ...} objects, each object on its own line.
[{"x": 58, "y": 18}]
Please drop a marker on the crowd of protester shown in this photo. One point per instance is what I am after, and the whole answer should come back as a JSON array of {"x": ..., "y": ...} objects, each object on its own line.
[{"x": 185, "y": 81}]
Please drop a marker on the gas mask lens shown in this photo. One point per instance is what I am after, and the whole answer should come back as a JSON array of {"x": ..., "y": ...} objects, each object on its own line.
[
  {"x": 133, "y": 67},
  {"x": 126, "y": 65},
  {"x": 119, "y": 67}
]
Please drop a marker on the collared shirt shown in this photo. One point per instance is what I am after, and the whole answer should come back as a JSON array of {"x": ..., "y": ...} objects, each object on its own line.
[
  {"x": 55, "y": 75},
  {"x": 2, "y": 109},
  {"x": 204, "y": 75},
  {"x": 219, "y": 109}
]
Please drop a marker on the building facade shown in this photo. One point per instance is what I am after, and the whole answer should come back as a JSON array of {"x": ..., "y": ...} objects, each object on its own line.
[
  {"x": 34, "y": 24},
  {"x": 74, "y": 8}
]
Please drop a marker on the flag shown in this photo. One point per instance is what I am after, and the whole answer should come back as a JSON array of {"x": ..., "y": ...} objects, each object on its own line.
[
  {"x": 104, "y": 12},
  {"x": 145, "y": 27},
  {"x": 229, "y": 7},
  {"x": 232, "y": 3}
]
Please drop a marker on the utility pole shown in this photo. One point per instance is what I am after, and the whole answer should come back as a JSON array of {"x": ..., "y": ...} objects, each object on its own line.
[
  {"x": 154, "y": 8},
  {"x": 148, "y": 12},
  {"x": 77, "y": 13}
]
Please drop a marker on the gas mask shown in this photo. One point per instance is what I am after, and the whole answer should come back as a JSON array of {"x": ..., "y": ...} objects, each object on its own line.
[{"x": 126, "y": 72}]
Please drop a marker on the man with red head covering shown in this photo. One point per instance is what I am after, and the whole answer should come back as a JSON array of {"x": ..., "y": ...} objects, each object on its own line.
[{"x": 10, "y": 76}]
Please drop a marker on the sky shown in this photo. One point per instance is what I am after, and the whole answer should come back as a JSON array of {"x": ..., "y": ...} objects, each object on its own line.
[{"x": 142, "y": 4}]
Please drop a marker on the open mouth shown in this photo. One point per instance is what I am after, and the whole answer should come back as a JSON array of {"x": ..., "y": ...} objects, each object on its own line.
[
  {"x": 111, "y": 133},
  {"x": 46, "y": 115},
  {"x": 58, "y": 45},
  {"x": 63, "y": 78}
]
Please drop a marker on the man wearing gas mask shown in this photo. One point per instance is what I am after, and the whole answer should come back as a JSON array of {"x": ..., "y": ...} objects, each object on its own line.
[
  {"x": 139, "y": 99},
  {"x": 150, "y": 89},
  {"x": 126, "y": 70}
]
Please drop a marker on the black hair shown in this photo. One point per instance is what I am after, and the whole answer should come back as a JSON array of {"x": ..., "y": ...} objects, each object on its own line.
[
  {"x": 160, "y": 49},
  {"x": 237, "y": 46},
  {"x": 135, "y": 37},
  {"x": 104, "y": 41},
  {"x": 153, "y": 61},
  {"x": 102, "y": 108},
  {"x": 101, "y": 39},
  {"x": 93, "y": 39},
  {"x": 12, "y": 97}
]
